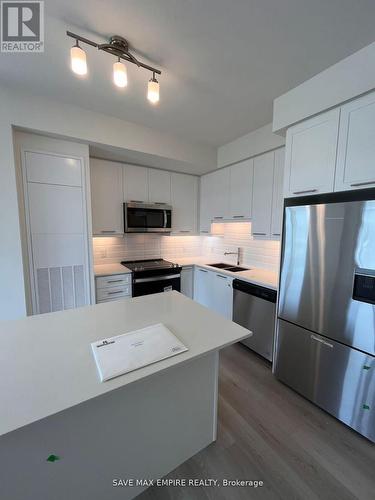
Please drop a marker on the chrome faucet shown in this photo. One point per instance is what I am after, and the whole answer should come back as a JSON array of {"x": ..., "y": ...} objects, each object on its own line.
[{"x": 238, "y": 253}]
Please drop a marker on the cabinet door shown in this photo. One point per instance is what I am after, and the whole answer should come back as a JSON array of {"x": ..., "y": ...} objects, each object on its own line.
[
  {"x": 356, "y": 148},
  {"x": 262, "y": 195},
  {"x": 222, "y": 295},
  {"x": 277, "y": 196},
  {"x": 184, "y": 199},
  {"x": 310, "y": 159},
  {"x": 106, "y": 197},
  {"x": 135, "y": 183},
  {"x": 205, "y": 205},
  {"x": 187, "y": 281},
  {"x": 159, "y": 186},
  {"x": 203, "y": 287},
  {"x": 241, "y": 190},
  {"x": 219, "y": 198}
]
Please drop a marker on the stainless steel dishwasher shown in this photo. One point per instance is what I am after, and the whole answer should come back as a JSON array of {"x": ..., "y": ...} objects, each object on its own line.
[{"x": 254, "y": 308}]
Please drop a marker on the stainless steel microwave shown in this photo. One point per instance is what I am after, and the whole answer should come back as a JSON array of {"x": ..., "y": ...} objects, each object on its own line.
[{"x": 147, "y": 217}]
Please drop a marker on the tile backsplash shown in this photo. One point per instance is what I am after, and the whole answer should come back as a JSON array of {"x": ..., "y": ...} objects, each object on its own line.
[{"x": 256, "y": 253}]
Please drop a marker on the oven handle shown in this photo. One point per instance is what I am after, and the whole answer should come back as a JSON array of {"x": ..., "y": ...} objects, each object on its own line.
[{"x": 157, "y": 278}]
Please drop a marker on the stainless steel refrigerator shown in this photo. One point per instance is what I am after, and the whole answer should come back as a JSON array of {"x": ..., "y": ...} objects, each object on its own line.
[{"x": 325, "y": 341}]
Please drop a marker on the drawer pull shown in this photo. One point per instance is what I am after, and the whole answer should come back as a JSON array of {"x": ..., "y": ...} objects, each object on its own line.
[
  {"x": 238, "y": 216},
  {"x": 118, "y": 291},
  {"x": 313, "y": 337},
  {"x": 204, "y": 231},
  {"x": 356, "y": 184},
  {"x": 203, "y": 271},
  {"x": 275, "y": 234},
  {"x": 108, "y": 232},
  {"x": 221, "y": 276},
  {"x": 184, "y": 231},
  {"x": 218, "y": 217},
  {"x": 115, "y": 281},
  {"x": 305, "y": 191},
  {"x": 136, "y": 201},
  {"x": 260, "y": 234}
]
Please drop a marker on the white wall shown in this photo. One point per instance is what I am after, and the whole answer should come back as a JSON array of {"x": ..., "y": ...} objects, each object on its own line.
[
  {"x": 257, "y": 142},
  {"x": 343, "y": 81},
  {"x": 52, "y": 117}
]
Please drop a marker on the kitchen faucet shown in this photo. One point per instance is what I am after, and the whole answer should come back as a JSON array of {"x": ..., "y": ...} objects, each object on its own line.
[{"x": 238, "y": 253}]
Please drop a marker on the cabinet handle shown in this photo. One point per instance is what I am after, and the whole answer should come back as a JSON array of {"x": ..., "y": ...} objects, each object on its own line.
[
  {"x": 184, "y": 231},
  {"x": 260, "y": 234},
  {"x": 108, "y": 232},
  {"x": 275, "y": 234},
  {"x": 115, "y": 281},
  {"x": 205, "y": 232},
  {"x": 305, "y": 191},
  {"x": 113, "y": 293},
  {"x": 137, "y": 201},
  {"x": 203, "y": 271},
  {"x": 221, "y": 276},
  {"x": 238, "y": 216},
  {"x": 354, "y": 184},
  {"x": 159, "y": 203},
  {"x": 218, "y": 217}
]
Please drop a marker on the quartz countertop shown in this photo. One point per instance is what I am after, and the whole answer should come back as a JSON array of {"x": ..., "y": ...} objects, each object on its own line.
[
  {"x": 110, "y": 269},
  {"x": 255, "y": 275},
  {"x": 47, "y": 364}
]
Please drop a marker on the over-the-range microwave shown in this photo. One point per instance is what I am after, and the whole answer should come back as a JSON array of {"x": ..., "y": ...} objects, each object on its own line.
[{"x": 147, "y": 217}]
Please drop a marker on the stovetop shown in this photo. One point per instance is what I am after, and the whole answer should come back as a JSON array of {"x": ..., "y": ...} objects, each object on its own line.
[{"x": 147, "y": 265}]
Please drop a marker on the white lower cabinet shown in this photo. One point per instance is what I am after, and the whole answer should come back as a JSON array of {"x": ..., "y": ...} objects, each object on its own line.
[
  {"x": 202, "y": 286},
  {"x": 187, "y": 281},
  {"x": 214, "y": 290},
  {"x": 113, "y": 287},
  {"x": 222, "y": 294}
]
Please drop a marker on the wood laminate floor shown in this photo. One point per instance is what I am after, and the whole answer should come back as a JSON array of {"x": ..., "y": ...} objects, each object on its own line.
[{"x": 268, "y": 432}]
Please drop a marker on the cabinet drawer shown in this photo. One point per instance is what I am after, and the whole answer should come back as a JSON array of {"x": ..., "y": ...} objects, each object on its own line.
[
  {"x": 112, "y": 293},
  {"x": 111, "y": 281},
  {"x": 113, "y": 299}
]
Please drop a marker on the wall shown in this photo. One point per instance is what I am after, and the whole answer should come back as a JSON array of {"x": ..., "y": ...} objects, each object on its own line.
[
  {"x": 257, "y": 142},
  {"x": 345, "y": 80},
  {"x": 257, "y": 253},
  {"x": 51, "y": 117}
]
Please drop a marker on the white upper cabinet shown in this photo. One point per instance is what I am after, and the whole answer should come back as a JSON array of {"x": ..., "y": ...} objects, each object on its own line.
[
  {"x": 356, "y": 147},
  {"x": 241, "y": 189},
  {"x": 184, "y": 200},
  {"x": 262, "y": 194},
  {"x": 159, "y": 186},
  {"x": 106, "y": 197},
  {"x": 135, "y": 183},
  {"x": 205, "y": 213},
  {"x": 277, "y": 195},
  {"x": 310, "y": 160},
  {"x": 219, "y": 193}
]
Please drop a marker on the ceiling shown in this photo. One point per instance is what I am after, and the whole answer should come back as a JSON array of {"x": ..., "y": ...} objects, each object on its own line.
[{"x": 223, "y": 61}]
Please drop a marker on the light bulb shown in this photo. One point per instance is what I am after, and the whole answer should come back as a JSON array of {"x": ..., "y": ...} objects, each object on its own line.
[
  {"x": 153, "y": 91},
  {"x": 78, "y": 60},
  {"x": 120, "y": 77}
]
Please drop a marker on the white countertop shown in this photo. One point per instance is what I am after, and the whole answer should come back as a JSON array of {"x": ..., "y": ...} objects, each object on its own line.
[
  {"x": 46, "y": 361},
  {"x": 257, "y": 276},
  {"x": 110, "y": 269}
]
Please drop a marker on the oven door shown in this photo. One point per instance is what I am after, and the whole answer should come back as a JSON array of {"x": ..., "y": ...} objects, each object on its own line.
[
  {"x": 156, "y": 284},
  {"x": 143, "y": 218}
]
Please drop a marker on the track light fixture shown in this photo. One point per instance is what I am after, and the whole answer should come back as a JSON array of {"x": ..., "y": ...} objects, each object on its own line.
[{"x": 118, "y": 47}]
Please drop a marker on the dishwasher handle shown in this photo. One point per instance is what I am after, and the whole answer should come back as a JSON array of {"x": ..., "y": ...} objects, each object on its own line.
[{"x": 255, "y": 290}]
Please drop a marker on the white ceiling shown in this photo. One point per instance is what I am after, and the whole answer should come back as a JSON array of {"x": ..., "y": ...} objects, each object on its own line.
[{"x": 223, "y": 61}]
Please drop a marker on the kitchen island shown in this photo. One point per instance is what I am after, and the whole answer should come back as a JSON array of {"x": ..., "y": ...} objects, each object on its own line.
[{"x": 138, "y": 426}]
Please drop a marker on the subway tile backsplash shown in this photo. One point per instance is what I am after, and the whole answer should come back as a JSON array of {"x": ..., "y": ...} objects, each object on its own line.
[{"x": 256, "y": 253}]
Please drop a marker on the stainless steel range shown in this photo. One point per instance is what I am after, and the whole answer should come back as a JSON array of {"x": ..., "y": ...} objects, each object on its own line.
[
  {"x": 153, "y": 276},
  {"x": 325, "y": 347}
]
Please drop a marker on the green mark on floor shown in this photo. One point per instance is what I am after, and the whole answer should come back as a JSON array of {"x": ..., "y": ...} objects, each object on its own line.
[{"x": 53, "y": 458}]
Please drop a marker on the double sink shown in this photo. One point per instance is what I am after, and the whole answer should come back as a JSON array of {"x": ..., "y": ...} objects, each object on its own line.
[{"x": 228, "y": 267}]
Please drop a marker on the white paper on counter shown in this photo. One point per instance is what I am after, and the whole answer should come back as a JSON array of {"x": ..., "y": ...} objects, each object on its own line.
[{"x": 127, "y": 352}]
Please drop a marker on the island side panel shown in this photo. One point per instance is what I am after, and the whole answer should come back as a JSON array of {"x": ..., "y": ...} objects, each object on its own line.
[{"x": 140, "y": 431}]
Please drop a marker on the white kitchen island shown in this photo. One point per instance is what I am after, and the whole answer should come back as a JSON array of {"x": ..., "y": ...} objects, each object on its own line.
[{"x": 138, "y": 426}]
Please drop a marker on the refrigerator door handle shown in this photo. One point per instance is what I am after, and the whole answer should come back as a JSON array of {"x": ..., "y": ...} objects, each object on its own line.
[{"x": 314, "y": 337}]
